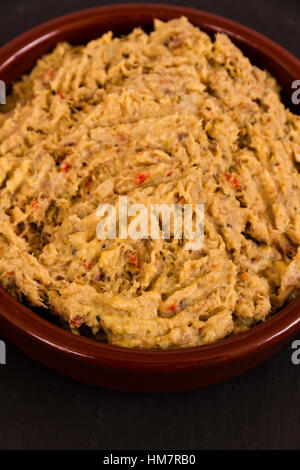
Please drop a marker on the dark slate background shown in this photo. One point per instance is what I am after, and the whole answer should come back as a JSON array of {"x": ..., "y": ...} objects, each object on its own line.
[{"x": 259, "y": 410}]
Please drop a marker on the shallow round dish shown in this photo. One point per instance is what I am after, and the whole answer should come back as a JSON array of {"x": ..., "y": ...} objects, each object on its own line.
[{"x": 110, "y": 366}]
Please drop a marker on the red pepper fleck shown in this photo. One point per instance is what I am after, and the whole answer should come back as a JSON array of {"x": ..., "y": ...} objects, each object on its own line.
[
  {"x": 213, "y": 266},
  {"x": 35, "y": 205},
  {"x": 132, "y": 258},
  {"x": 141, "y": 177},
  {"x": 122, "y": 138},
  {"x": 10, "y": 274},
  {"x": 236, "y": 183},
  {"x": 49, "y": 73},
  {"x": 171, "y": 308},
  {"x": 233, "y": 181},
  {"x": 59, "y": 93},
  {"x": 76, "y": 322},
  {"x": 88, "y": 181},
  {"x": 65, "y": 167},
  {"x": 170, "y": 173},
  {"x": 88, "y": 266}
]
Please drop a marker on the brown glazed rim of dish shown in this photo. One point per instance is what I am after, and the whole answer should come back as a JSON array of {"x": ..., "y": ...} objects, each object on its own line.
[{"x": 16, "y": 58}]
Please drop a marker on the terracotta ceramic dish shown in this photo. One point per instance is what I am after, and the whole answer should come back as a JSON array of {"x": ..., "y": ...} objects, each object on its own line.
[{"x": 114, "y": 367}]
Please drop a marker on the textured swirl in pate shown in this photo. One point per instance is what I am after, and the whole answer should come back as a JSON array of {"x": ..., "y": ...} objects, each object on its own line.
[{"x": 171, "y": 116}]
